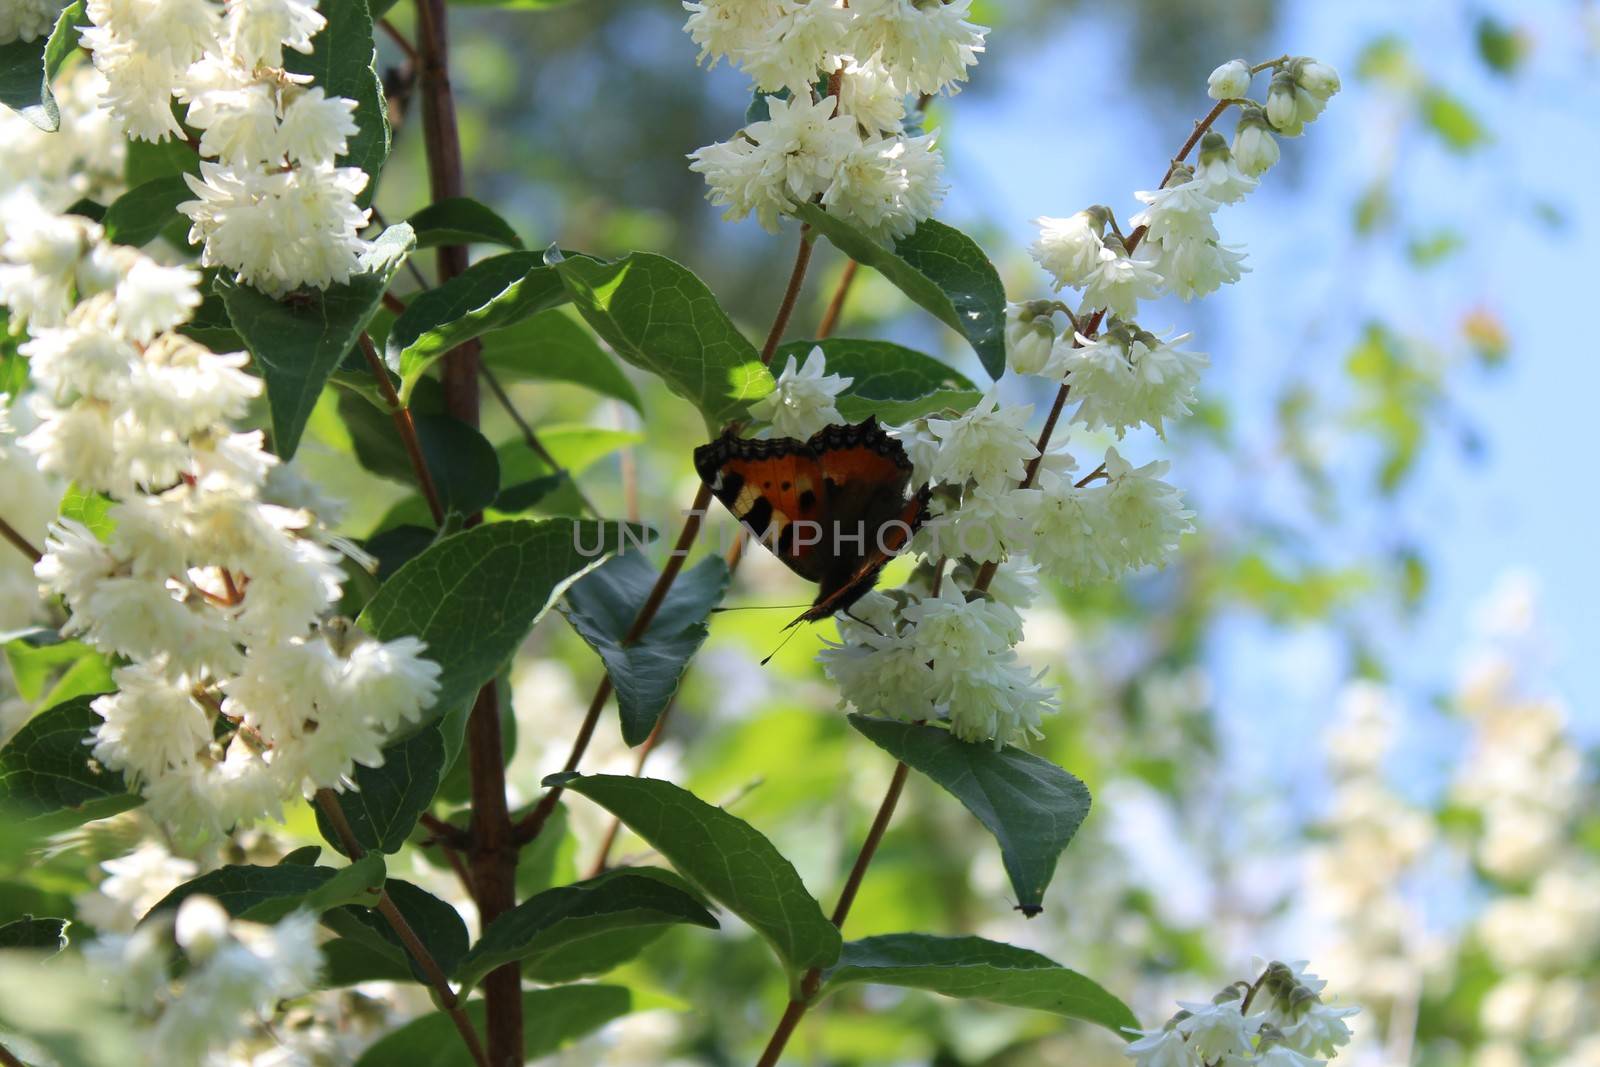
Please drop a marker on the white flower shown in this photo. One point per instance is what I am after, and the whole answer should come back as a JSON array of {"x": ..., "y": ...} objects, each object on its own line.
[
  {"x": 74, "y": 560},
  {"x": 958, "y": 635},
  {"x": 790, "y": 157},
  {"x": 993, "y": 519},
  {"x": 132, "y": 885},
  {"x": 148, "y": 620},
  {"x": 928, "y": 47},
  {"x": 1095, "y": 533},
  {"x": 987, "y": 444},
  {"x": 1254, "y": 147},
  {"x": 321, "y": 221},
  {"x": 1148, "y": 515},
  {"x": 1316, "y": 78},
  {"x": 151, "y": 299},
  {"x": 921, "y": 448},
  {"x": 803, "y": 401},
  {"x": 1119, "y": 281},
  {"x": 1069, "y": 248},
  {"x": 1283, "y": 1056},
  {"x": 316, "y": 127},
  {"x": 1128, "y": 377},
  {"x": 888, "y": 186},
  {"x": 238, "y": 126},
  {"x": 390, "y": 681},
  {"x": 878, "y": 669},
  {"x": 869, "y": 94},
  {"x": 82, "y": 357},
  {"x": 182, "y": 386},
  {"x": 1192, "y": 268},
  {"x": 998, "y": 699},
  {"x": 25, "y": 20},
  {"x": 1180, "y": 210},
  {"x": 1217, "y": 1030},
  {"x": 151, "y": 725},
  {"x": 257, "y": 31},
  {"x": 804, "y": 39},
  {"x": 200, "y": 927},
  {"x": 1030, "y": 337},
  {"x": 138, "y": 87},
  {"x": 1321, "y": 1031},
  {"x": 1161, "y": 1048},
  {"x": 1229, "y": 81},
  {"x": 729, "y": 27},
  {"x": 1282, "y": 110},
  {"x": 77, "y": 443},
  {"x": 1218, "y": 175}
]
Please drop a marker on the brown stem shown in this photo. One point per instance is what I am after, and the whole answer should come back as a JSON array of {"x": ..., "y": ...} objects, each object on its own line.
[
  {"x": 531, "y": 439},
  {"x": 830, "y": 317},
  {"x": 445, "y": 832},
  {"x": 530, "y": 826},
  {"x": 797, "y": 277},
  {"x": 328, "y": 801},
  {"x": 398, "y": 38},
  {"x": 394, "y": 303},
  {"x": 407, "y": 428},
  {"x": 1200, "y": 129},
  {"x": 8, "y": 1060},
  {"x": 813, "y": 978},
  {"x": 20, "y": 543}
]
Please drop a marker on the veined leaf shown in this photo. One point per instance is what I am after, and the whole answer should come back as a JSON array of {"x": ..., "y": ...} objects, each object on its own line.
[
  {"x": 461, "y": 220},
  {"x": 267, "y": 894},
  {"x": 384, "y": 806},
  {"x": 46, "y": 770},
  {"x": 551, "y": 347},
  {"x": 343, "y": 62}
]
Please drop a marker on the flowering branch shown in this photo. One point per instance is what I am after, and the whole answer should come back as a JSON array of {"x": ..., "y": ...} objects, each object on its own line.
[{"x": 328, "y": 802}]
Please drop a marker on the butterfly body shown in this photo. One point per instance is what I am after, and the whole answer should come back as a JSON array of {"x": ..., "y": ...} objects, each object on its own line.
[{"x": 834, "y": 508}]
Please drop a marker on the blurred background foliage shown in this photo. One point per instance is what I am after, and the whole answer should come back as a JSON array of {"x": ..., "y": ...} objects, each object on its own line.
[{"x": 1387, "y": 349}]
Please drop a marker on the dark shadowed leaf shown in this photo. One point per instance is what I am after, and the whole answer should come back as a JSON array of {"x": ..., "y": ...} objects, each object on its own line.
[
  {"x": 46, "y": 770},
  {"x": 975, "y": 968},
  {"x": 551, "y": 1019},
  {"x": 343, "y": 62},
  {"x": 140, "y": 214},
  {"x": 28, "y": 67},
  {"x": 727, "y": 858},
  {"x": 267, "y": 894},
  {"x": 437, "y": 924},
  {"x": 472, "y": 597},
  {"x": 461, "y": 220},
  {"x": 297, "y": 342},
  {"x": 572, "y": 920},
  {"x": 658, "y": 316},
  {"x": 941, "y": 269},
  {"x": 551, "y": 347},
  {"x": 895, "y": 383},
  {"x": 47, "y": 935},
  {"x": 386, "y": 801},
  {"x": 1031, "y": 806},
  {"x": 646, "y": 672}
]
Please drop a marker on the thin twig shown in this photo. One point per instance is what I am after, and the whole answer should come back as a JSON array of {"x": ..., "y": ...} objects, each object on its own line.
[
  {"x": 20, "y": 543},
  {"x": 531, "y": 439},
  {"x": 399, "y": 38},
  {"x": 797, "y": 277},
  {"x": 830, "y": 317},
  {"x": 403, "y": 423},
  {"x": 394, "y": 303},
  {"x": 328, "y": 801}
]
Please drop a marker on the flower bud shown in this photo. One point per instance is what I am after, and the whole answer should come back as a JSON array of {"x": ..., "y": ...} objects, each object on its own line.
[
  {"x": 1282, "y": 111},
  {"x": 1213, "y": 148},
  {"x": 1254, "y": 147},
  {"x": 1229, "y": 81},
  {"x": 201, "y": 926},
  {"x": 1030, "y": 336},
  {"x": 1316, "y": 78}
]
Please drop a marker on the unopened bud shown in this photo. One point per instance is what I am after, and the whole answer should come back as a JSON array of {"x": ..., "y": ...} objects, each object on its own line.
[{"x": 1229, "y": 81}]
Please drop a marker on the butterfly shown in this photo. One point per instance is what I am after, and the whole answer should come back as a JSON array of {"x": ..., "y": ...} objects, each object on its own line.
[{"x": 835, "y": 508}]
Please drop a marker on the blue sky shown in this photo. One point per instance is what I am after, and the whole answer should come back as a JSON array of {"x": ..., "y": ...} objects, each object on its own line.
[{"x": 1524, "y": 503}]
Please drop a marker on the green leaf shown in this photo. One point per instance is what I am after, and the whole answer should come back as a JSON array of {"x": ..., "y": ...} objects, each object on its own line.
[
  {"x": 941, "y": 269},
  {"x": 267, "y": 894},
  {"x": 46, "y": 769},
  {"x": 30, "y": 933},
  {"x": 140, "y": 214},
  {"x": 90, "y": 508},
  {"x": 550, "y": 347},
  {"x": 37, "y": 658},
  {"x": 551, "y": 1019},
  {"x": 437, "y": 924},
  {"x": 383, "y": 807},
  {"x": 473, "y": 597},
  {"x": 346, "y": 962},
  {"x": 298, "y": 342},
  {"x": 211, "y": 326},
  {"x": 465, "y": 469},
  {"x": 343, "y": 62},
  {"x": 461, "y": 220},
  {"x": 727, "y": 858},
  {"x": 28, "y": 67},
  {"x": 149, "y": 160},
  {"x": 493, "y": 293},
  {"x": 1501, "y": 47},
  {"x": 659, "y": 317},
  {"x": 523, "y": 496},
  {"x": 645, "y": 673},
  {"x": 890, "y": 381},
  {"x": 1455, "y": 123},
  {"x": 1031, "y": 806},
  {"x": 975, "y": 968},
  {"x": 567, "y": 917}
]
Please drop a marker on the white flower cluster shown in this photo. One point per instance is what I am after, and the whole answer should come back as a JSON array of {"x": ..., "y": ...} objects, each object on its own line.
[
  {"x": 212, "y": 596},
  {"x": 1371, "y": 840},
  {"x": 233, "y": 974},
  {"x": 1294, "y": 1027},
  {"x": 83, "y": 159},
  {"x": 28, "y": 20},
  {"x": 836, "y": 129},
  {"x": 273, "y": 205},
  {"x": 804, "y": 400}
]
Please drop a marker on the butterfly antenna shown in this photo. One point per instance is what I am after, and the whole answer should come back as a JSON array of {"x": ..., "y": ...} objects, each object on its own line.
[
  {"x": 856, "y": 618},
  {"x": 761, "y": 607},
  {"x": 785, "y": 641}
]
